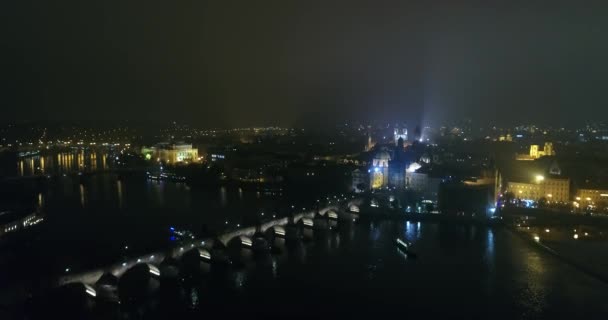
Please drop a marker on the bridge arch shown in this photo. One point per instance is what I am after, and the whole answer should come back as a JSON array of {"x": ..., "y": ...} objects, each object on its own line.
[
  {"x": 107, "y": 279},
  {"x": 139, "y": 282},
  {"x": 195, "y": 262}
]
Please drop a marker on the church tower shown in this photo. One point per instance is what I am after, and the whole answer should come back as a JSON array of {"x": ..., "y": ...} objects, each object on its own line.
[
  {"x": 370, "y": 144},
  {"x": 400, "y": 134}
]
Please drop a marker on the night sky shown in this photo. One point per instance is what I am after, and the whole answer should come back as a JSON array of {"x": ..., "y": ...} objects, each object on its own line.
[{"x": 235, "y": 63}]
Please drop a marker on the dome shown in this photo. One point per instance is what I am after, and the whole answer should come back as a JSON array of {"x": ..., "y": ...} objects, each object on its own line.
[{"x": 382, "y": 155}]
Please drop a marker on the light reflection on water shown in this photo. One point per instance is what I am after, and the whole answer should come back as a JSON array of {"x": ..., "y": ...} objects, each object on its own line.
[
  {"x": 413, "y": 231},
  {"x": 223, "y": 197},
  {"x": 194, "y": 298},
  {"x": 371, "y": 274},
  {"x": 239, "y": 279},
  {"x": 119, "y": 193},
  {"x": 490, "y": 246},
  {"x": 64, "y": 162},
  {"x": 81, "y": 192}
]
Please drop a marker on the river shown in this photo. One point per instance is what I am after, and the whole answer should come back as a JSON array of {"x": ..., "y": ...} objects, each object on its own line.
[{"x": 462, "y": 271}]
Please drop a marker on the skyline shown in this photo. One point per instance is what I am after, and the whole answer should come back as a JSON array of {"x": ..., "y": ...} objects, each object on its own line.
[{"x": 218, "y": 65}]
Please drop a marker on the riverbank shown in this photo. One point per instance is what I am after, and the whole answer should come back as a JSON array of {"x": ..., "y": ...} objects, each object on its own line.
[{"x": 587, "y": 257}]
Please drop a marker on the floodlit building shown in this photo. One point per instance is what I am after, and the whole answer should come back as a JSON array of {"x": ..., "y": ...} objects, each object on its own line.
[
  {"x": 369, "y": 146},
  {"x": 172, "y": 152},
  {"x": 400, "y": 133},
  {"x": 592, "y": 196},
  {"x": 554, "y": 189},
  {"x": 389, "y": 163},
  {"x": 536, "y": 152},
  {"x": 379, "y": 170}
]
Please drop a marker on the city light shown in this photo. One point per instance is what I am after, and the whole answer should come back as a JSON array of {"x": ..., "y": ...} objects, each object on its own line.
[{"x": 539, "y": 178}]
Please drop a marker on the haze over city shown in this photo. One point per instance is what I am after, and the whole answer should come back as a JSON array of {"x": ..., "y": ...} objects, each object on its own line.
[{"x": 229, "y": 64}]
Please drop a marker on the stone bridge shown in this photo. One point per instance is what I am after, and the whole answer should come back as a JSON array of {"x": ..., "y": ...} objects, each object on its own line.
[{"x": 204, "y": 246}]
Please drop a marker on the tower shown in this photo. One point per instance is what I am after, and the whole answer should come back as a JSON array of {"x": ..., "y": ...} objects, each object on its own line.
[
  {"x": 370, "y": 144},
  {"x": 379, "y": 170},
  {"x": 400, "y": 134},
  {"x": 549, "y": 149},
  {"x": 417, "y": 134},
  {"x": 534, "y": 151}
]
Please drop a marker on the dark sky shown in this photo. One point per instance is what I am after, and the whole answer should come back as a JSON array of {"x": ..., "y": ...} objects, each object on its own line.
[{"x": 232, "y": 63}]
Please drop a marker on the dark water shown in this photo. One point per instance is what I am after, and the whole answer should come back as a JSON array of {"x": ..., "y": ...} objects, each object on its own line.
[
  {"x": 463, "y": 272},
  {"x": 90, "y": 222}
]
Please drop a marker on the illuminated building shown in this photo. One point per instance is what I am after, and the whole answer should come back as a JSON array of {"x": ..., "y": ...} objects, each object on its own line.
[
  {"x": 379, "y": 170},
  {"x": 400, "y": 133},
  {"x": 172, "y": 152},
  {"x": 389, "y": 164},
  {"x": 370, "y": 144},
  {"x": 592, "y": 196},
  {"x": 536, "y": 153},
  {"x": 553, "y": 189}
]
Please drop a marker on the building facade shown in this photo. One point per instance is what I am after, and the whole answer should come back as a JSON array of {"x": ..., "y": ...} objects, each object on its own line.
[
  {"x": 592, "y": 196},
  {"x": 553, "y": 189},
  {"x": 379, "y": 170},
  {"x": 536, "y": 152},
  {"x": 424, "y": 184},
  {"x": 400, "y": 133},
  {"x": 172, "y": 153}
]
